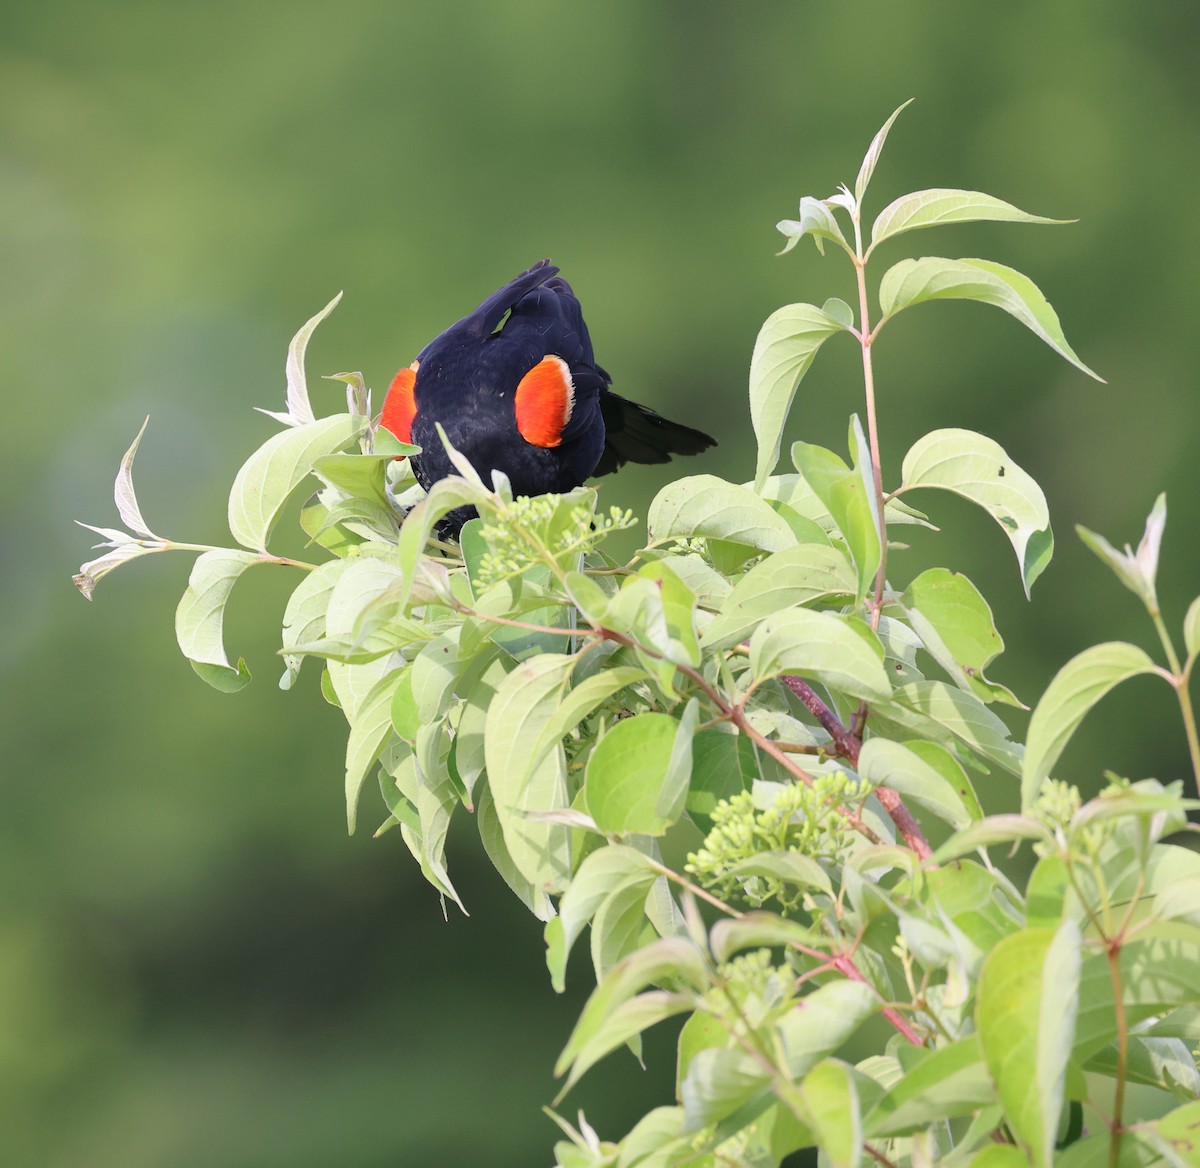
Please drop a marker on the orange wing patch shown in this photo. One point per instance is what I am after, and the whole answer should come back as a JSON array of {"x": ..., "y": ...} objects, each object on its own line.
[
  {"x": 400, "y": 405},
  {"x": 544, "y": 401}
]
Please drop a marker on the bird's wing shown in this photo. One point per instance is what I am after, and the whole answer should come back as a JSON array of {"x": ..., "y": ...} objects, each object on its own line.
[{"x": 636, "y": 433}]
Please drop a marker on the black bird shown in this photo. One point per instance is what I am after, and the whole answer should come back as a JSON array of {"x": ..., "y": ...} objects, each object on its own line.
[{"x": 525, "y": 397}]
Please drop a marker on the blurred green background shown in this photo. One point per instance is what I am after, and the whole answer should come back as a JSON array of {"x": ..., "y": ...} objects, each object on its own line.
[{"x": 197, "y": 967}]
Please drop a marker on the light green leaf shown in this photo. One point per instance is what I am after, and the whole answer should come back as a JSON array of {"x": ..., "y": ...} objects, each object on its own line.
[
  {"x": 585, "y": 697},
  {"x": 942, "y": 1085},
  {"x": 796, "y": 576},
  {"x": 200, "y": 617},
  {"x": 1191, "y": 630},
  {"x": 299, "y": 410},
  {"x": 955, "y": 625},
  {"x": 840, "y": 651},
  {"x": 1002, "y": 1156},
  {"x": 492, "y": 836},
  {"x": 826, "y": 1102},
  {"x": 1177, "y": 1135},
  {"x": 995, "y": 829},
  {"x": 123, "y": 493},
  {"x": 304, "y": 616},
  {"x": 977, "y": 468},
  {"x": 788, "y": 867},
  {"x": 364, "y": 476},
  {"x": 946, "y": 714},
  {"x": 786, "y": 345},
  {"x": 827, "y": 1018},
  {"x": 717, "y": 1083},
  {"x": 369, "y": 732},
  {"x": 1025, "y": 1013},
  {"x": 277, "y": 468},
  {"x": 91, "y": 573},
  {"x": 678, "y": 602},
  {"x": 706, "y": 506},
  {"x": 1136, "y": 570},
  {"x": 670, "y": 959},
  {"x": 524, "y": 780},
  {"x": 600, "y": 875},
  {"x": 941, "y": 789},
  {"x": 722, "y": 766},
  {"x": 619, "y": 927},
  {"x": 637, "y": 774},
  {"x": 942, "y": 205},
  {"x": 873, "y": 152},
  {"x": 756, "y": 930},
  {"x": 1076, "y": 688},
  {"x": 816, "y": 219},
  {"x": 933, "y": 278},
  {"x": 844, "y": 493}
]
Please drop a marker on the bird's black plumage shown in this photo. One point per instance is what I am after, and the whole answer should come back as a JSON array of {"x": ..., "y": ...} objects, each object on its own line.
[{"x": 491, "y": 382}]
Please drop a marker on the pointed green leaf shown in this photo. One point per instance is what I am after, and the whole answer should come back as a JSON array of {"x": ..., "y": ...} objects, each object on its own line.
[
  {"x": 840, "y": 651},
  {"x": 941, "y": 205},
  {"x": 637, "y": 774},
  {"x": 756, "y": 930},
  {"x": 706, "y": 506},
  {"x": 942, "y": 1085},
  {"x": 91, "y": 573},
  {"x": 369, "y": 732},
  {"x": 723, "y": 765},
  {"x": 977, "y": 468},
  {"x": 873, "y": 152},
  {"x": 786, "y": 345},
  {"x": 1177, "y": 1135},
  {"x": 826, "y": 1102},
  {"x": 823, "y": 1020},
  {"x": 277, "y": 468},
  {"x": 123, "y": 493},
  {"x": 1025, "y": 1013},
  {"x": 933, "y": 278},
  {"x": 844, "y": 493},
  {"x": 995, "y": 829},
  {"x": 956, "y": 627},
  {"x": 941, "y": 789},
  {"x": 200, "y": 617},
  {"x": 1136, "y": 570},
  {"x": 304, "y": 616},
  {"x": 524, "y": 780},
  {"x": 1076, "y": 688},
  {"x": 299, "y": 410},
  {"x": 816, "y": 219},
  {"x": 492, "y": 836},
  {"x": 796, "y": 576},
  {"x": 1191, "y": 629}
]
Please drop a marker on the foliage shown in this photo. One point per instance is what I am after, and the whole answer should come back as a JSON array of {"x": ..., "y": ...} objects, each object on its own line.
[{"x": 726, "y": 754}]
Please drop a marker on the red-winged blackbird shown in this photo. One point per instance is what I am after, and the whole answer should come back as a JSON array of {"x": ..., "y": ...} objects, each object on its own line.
[{"x": 525, "y": 397}]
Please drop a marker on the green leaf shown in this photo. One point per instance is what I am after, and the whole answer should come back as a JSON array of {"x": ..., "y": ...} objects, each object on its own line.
[
  {"x": 977, "y": 468},
  {"x": 585, "y": 697},
  {"x": 843, "y": 491},
  {"x": 1136, "y": 570},
  {"x": 1076, "y": 688},
  {"x": 200, "y": 617},
  {"x": 1025, "y": 1013},
  {"x": 840, "y": 651},
  {"x": 786, "y": 345},
  {"x": 942, "y": 205},
  {"x": 816, "y": 219},
  {"x": 1001, "y": 1156},
  {"x": 796, "y": 576},
  {"x": 524, "y": 780},
  {"x": 1191, "y": 630},
  {"x": 756, "y": 930},
  {"x": 956, "y": 627},
  {"x": 369, "y": 732},
  {"x": 123, "y": 493},
  {"x": 618, "y": 927},
  {"x": 600, "y": 875},
  {"x": 717, "y": 1083},
  {"x": 932, "y": 278},
  {"x": 788, "y": 867},
  {"x": 706, "y": 506},
  {"x": 679, "y": 645},
  {"x": 637, "y": 774},
  {"x": 277, "y": 468},
  {"x": 1177, "y": 1135},
  {"x": 946, "y": 714},
  {"x": 304, "y": 616},
  {"x": 723, "y": 765},
  {"x": 362, "y": 475},
  {"x": 995, "y": 829},
  {"x": 826, "y": 1102},
  {"x": 827, "y": 1018},
  {"x": 873, "y": 152},
  {"x": 670, "y": 959},
  {"x": 299, "y": 410},
  {"x": 492, "y": 836},
  {"x": 942, "y": 1085},
  {"x": 935, "y": 781}
]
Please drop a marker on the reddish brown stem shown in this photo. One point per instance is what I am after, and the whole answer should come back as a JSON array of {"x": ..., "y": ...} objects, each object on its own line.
[{"x": 846, "y": 967}]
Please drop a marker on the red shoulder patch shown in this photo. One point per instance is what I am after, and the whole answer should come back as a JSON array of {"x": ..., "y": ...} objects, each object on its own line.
[
  {"x": 400, "y": 405},
  {"x": 544, "y": 400}
]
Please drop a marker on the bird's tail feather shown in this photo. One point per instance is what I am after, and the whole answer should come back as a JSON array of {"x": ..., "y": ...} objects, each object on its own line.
[
  {"x": 636, "y": 433},
  {"x": 483, "y": 321}
]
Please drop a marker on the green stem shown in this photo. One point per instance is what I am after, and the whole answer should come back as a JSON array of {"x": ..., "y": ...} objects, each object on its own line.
[
  {"x": 1180, "y": 683},
  {"x": 1114, "y": 1146}
]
